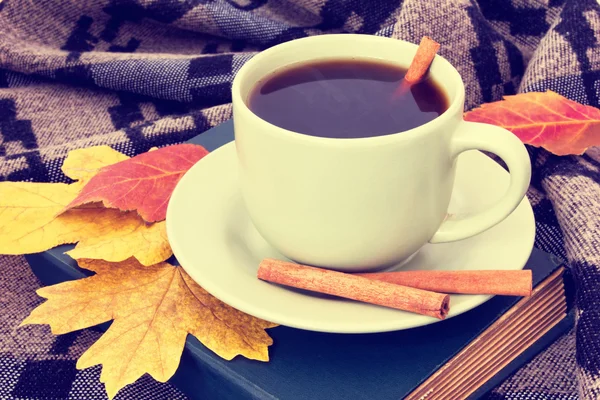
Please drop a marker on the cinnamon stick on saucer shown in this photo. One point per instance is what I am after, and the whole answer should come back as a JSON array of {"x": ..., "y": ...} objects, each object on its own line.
[
  {"x": 355, "y": 287},
  {"x": 510, "y": 283},
  {"x": 419, "y": 65}
]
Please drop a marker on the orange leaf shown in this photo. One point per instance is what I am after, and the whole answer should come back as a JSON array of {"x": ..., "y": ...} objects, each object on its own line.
[
  {"x": 153, "y": 309},
  {"x": 546, "y": 120},
  {"x": 143, "y": 183}
]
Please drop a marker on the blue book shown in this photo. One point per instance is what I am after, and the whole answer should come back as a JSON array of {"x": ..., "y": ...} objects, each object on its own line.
[{"x": 460, "y": 358}]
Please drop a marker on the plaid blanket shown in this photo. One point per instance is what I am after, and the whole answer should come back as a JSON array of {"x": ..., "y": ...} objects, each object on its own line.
[{"x": 135, "y": 74}]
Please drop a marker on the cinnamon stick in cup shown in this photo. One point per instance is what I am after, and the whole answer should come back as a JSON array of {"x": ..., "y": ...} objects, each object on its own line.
[
  {"x": 355, "y": 287},
  {"x": 423, "y": 59},
  {"x": 510, "y": 283},
  {"x": 419, "y": 65}
]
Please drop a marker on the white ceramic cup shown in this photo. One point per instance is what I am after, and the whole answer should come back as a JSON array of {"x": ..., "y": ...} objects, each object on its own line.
[{"x": 361, "y": 204}]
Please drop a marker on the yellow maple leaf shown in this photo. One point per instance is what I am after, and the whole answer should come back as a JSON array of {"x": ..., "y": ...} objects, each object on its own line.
[
  {"x": 29, "y": 221},
  {"x": 153, "y": 309},
  {"x": 112, "y": 235},
  {"x": 27, "y": 216},
  {"x": 82, "y": 164}
]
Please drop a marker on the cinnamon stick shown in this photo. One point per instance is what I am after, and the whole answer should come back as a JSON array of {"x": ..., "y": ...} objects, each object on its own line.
[
  {"x": 419, "y": 65},
  {"x": 355, "y": 287},
  {"x": 422, "y": 60},
  {"x": 510, "y": 283}
]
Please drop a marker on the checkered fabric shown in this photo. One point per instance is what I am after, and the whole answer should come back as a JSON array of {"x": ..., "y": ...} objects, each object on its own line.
[{"x": 135, "y": 74}]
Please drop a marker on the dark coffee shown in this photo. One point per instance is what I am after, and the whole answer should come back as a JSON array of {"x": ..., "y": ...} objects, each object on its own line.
[{"x": 345, "y": 99}]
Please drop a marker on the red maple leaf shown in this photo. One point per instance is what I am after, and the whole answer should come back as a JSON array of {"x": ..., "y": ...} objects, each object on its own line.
[
  {"x": 547, "y": 120},
  {"x": 143, "y": 183}
]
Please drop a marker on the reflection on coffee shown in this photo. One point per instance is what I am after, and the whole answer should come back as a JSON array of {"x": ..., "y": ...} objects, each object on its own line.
[{"x": 345, "y": 99}]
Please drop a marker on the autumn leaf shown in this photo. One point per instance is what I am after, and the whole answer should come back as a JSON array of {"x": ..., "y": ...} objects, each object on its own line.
[
  {"x": 546, "y": 120},
  {"x": 28, "y": 224},
  {"x": 143, "y": 183},
  {"x": 27, "y": 216},
  {"x": 112, "y": 235},
  {"x": 83, "y": 164},
  {"x": 153, "y": 309},
  {"x": 29, "y": 221}
]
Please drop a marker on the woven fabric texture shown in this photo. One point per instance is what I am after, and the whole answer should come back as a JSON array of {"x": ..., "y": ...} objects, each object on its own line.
[{"x": 135, "y": 74}]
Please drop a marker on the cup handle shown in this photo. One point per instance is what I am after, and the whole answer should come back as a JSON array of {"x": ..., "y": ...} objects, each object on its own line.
[{"x": 478, "y": 136}]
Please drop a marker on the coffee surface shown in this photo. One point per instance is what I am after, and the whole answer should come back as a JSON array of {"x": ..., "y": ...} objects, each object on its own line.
[{"x": 345, "y": 99}]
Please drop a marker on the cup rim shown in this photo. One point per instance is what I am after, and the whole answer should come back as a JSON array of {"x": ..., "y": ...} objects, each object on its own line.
[{"x": 455, "y": 103}]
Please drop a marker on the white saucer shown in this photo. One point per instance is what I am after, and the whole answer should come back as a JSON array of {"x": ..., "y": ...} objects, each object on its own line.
[{"x": 215, "y": 242}]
